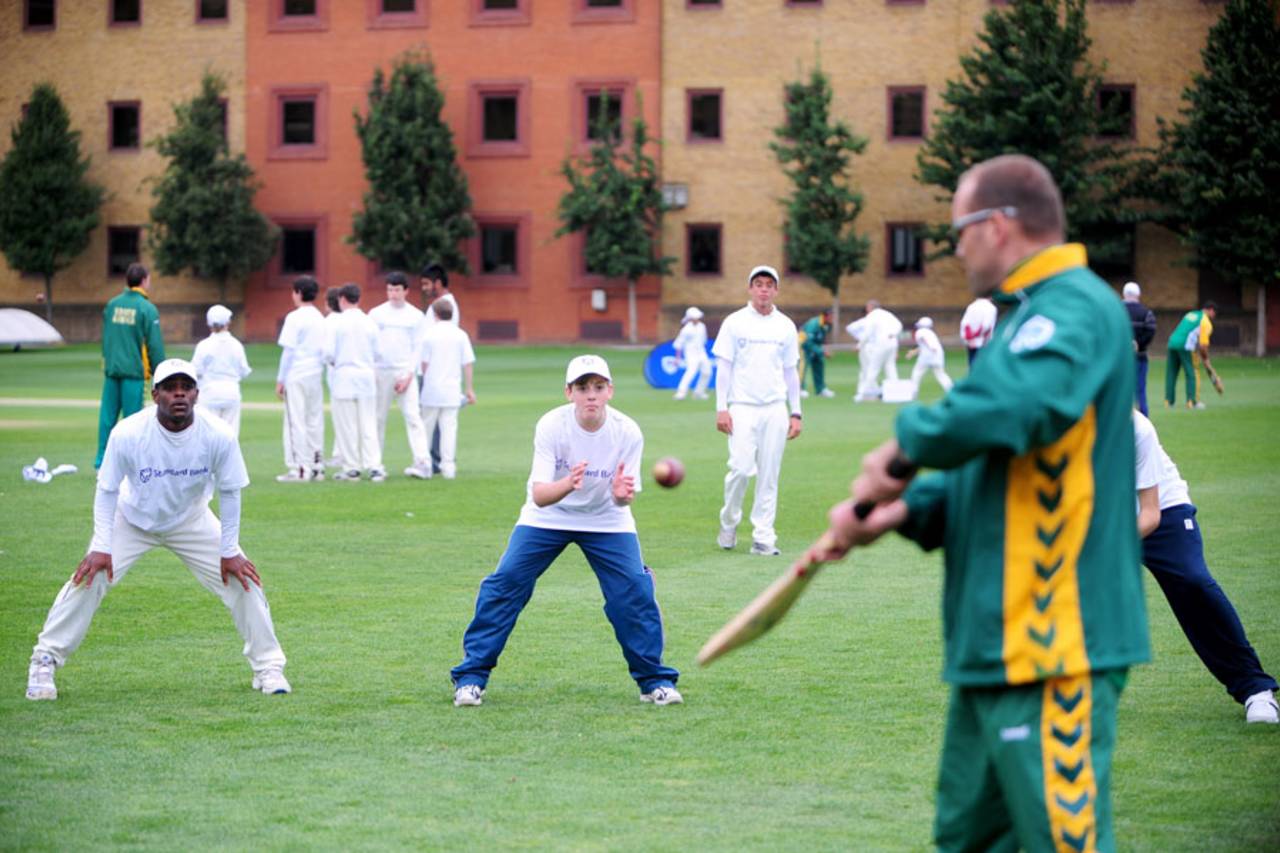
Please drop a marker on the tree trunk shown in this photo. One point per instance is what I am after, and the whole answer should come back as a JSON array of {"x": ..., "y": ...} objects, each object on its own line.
[
  {"x": 48, "y": 299},
  {"x": 835, "y": 316},
  {"x": 631, "y": 310}
]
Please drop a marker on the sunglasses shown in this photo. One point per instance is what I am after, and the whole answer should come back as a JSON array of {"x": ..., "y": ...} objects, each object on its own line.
[{"x": 958, "y": 225}]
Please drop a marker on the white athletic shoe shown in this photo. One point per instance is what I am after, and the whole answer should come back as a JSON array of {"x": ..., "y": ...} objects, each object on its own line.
[
  {"x": 826, "y": 392},
  {"x": 679, "y": 395},
  {"x": 293, "y": 475},
  {"x": 699, "y": 395},
  {"x": 419, "y": 471},
  {"x": 1258, "y": 708},
  {"x": 271, "y": 681},
  {"x": 377, "y": 475},
  {"x": 727, "y": 538},
  {"x": 468, "y": 694},
  {"x": 804, "y": 393},
  {"x": 662, "y": 696},
  {"x": 762, "y": 550},
  {"x": 316, "y": 475},
  {"x": 347, "y": 475},
  {"x": 40, "y": 678}
]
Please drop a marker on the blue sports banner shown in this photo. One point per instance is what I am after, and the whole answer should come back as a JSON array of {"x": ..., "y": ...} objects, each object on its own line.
[{"x": 662, "y": 371}]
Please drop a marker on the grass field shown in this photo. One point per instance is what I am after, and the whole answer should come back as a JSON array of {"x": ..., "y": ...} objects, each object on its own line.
[{"x": 822, "y": 736}]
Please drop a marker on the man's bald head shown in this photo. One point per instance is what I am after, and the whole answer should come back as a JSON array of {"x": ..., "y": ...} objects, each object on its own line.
[{"x": 1022, "y": 182}]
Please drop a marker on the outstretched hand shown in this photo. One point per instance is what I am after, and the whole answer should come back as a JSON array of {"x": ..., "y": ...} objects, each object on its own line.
[
  {"x": 93, "y": 562},
  {"x": 624, "y": 487},
  {"x": 243, "y": 570}
]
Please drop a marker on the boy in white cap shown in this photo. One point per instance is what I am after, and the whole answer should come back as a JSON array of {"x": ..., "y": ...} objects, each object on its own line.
[
  {"x": 757, "y": 353},
  {"x": 929, "y": 356},
  {"x": 586, "y": 459},
  {"x": 220, "y": 365},
  {"x": 691, "y": 346},
  {"x": 161, "y": 467}
]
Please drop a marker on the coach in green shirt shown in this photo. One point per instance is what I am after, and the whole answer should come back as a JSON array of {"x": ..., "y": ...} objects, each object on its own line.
[{"x": 131, "y": 346}]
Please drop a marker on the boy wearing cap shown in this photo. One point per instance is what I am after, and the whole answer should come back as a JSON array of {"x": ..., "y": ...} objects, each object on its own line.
[
  {"x": 220, "y": 364},
  {"x": 756, "y": 355},
  {"x": 929, "y": 356},
  {"x": 585, "y": 461},
  {"x": 691, "y": 346},
  {"x": 161, "y": 467}
]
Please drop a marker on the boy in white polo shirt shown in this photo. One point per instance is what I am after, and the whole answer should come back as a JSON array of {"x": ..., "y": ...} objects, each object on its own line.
[
  {"x": 352, "y": 349},
  {"x": 398, "y": 323},
  {"x": 161, "y": 467},
  {"x": 586, "y": 456},
  {"x": 756, "y": 358},
  {"x": 220, "y": 365},
  {"x": 447, "y": 358},
  {"x": 298, "y": 384}
]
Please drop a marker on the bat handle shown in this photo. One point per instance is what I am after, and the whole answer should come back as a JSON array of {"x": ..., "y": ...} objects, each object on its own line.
[{"x": 899, "y": 469}]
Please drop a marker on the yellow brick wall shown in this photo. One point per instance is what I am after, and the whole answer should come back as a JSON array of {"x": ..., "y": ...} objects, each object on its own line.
[
  {"x": 159, "y": 63},
  {"x": 751, "y": 50}
]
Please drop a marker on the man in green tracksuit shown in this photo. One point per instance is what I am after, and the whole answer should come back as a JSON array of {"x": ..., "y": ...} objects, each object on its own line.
[
  {"x": 1043, "y": 608},
  {"x": 131, "y": 346},
  {"x": 1190, "y": 336},
  {"x": 813, "y": 339}
]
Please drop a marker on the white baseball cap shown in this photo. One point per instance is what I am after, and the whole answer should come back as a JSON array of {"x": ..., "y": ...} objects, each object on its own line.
[
  {"x": 763, "y": 269},
  {"x": 173, "y": 367},
  {"x": 585, "y": 365},
  {"x": 218, "y": 315},
  {"x": 692, "y": 313},
  {"x": 924, "y": 323},
  {"x": 1132, "y": 291}
]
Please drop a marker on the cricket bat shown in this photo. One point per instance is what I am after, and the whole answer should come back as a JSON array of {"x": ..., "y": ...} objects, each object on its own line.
[{"x": 1214, "y": 378}]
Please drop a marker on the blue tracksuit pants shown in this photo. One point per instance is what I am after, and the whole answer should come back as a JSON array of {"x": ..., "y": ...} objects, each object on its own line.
[
  {"x": 1174, "y": 552},
  {"x": 625, "y": 580}
]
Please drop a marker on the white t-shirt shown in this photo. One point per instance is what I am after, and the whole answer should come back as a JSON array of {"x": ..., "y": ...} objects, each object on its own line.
[
  {"x": 930, "y": 348},
  {"x": 760, "y": 347},
  {"x": 1155, "y": 468},
  {"x": 353, "y": 351},
  {"x": 691, "y": 343},
  {"x": 429, "y": 316},
  {"x": 559, "y": 443},
  {"x": 166, "y": 479},
  {"x": 303, "y": 332},
  {"x": 220, "y": 365},
  {"x": 445, "y": 350},
  {"x": 978, "y": 322},
  {"x": 399, "y": 335}
]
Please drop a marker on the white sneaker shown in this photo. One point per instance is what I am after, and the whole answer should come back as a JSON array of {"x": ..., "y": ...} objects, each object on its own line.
[
  {"x": 662, "y": 696},
  {"x": 1196, "y": 405},
  {"x": 679, "y": 395},
  {"x": 804, "y": 393},
  {"x": 40, "y": 678},
  {"x": 418, "y": 471},
  {"x": 295, "y": 475},
  {"x": 699, "y": 395},
  {"x": 762, "y": 550},
  {"x": 1258, "y": 708},
  {"x": 826, "y": 392},
  {"x": 727, "y": 539},
  {"x": 347, "y": 475},
  {"x": 271, "y": 681},
  {"x": 468, "y": 694},
  {"x": 377, "y": 475}
]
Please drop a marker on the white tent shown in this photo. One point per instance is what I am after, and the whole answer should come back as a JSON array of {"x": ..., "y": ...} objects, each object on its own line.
[{"x": 19, "y": 328}]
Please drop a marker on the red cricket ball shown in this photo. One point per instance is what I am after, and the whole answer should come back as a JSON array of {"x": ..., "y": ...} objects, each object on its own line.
[{"x": 668, "y": 472}]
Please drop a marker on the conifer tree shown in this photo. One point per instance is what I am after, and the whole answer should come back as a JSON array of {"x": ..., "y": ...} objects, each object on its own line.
[
  {"x": 417, "y": 208},
  {"x": 48, "y": 208},
  {"x": 203, "y": 219},
  {"x": 615, "y": 199}
]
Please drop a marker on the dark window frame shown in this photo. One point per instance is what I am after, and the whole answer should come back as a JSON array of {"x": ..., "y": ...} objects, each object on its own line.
[
  {"x": 318, "y": 149},
  {"x": 689, "y": 135},
  {"x": 113, "y": 231},
  {"x": 708, "y": 227},
  {"x": 478, "y": 92},
  {"x": 319, "y": 225},
  {"x": 522, "y": 223},
  {"x": 891, "y": 94},
  {"x": 624, "y": 12},
  {"x": 376, "y": 18},
  {"x": 111, "y": 16},
  {"x": 914, "y": 229},
  {"x": 112, "y": 106},
  {"x": 482, "y": 17},
  {"x": 583, "y": 90},
  {"x": 1131, "y": 89},
  {"x": 201, "y": 18},
  {"x": 27, "y": 26},
  {"x": 280, "y": 22}
]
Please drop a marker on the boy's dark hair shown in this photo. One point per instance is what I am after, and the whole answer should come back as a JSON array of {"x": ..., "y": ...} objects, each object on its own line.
[
  {"x": 350, "y": 292},
  {"x": 1211, "y": 306},
  {"x": 135, "y": 275},
  {"x": 435, "y": 272},
  {"x": 397, "y": 278},
  {"x": 306, "y": 287},
  {"x": 331, "y": 298}
]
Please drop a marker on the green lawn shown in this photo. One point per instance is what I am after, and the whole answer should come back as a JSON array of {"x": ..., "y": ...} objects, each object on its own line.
[{"x": 822, "y": 736}]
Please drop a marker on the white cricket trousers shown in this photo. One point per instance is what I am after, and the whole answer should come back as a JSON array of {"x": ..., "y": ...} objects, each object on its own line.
[
  {"x": 227, "y": 412},
  {"x": 875, "y": 358},
  {"x": 939, "y": 373},
  {"x": 699, "y": 367},
  {"x": 356, "y": 427},
  {"x": 447, "y": 418},
  {"x": 304, "y": 423},
  {"x": 755, "y": 450},
  {"x": 197, "y": 544},
  {"x": 408, "y": 402}
]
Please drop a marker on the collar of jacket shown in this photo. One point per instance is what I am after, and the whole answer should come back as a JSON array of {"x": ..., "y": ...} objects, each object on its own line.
[
  {"x": 139, "y": 291},
  {"x": 1045, "y": 263}
]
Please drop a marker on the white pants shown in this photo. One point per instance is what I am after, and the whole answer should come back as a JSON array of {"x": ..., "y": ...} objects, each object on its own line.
[
  {"x": 699, "y": 367},
  {"x": 447, "y": 418},
  {"x": 197, "y": 544},
  {"x": 755, "y": 450},
  {"x": 939, "y": 373},
  {"x": 355, "y": 426},
  {"x": 408, "y": 401},
  {"x": 875, "y": 358},
  {"x": 228, "y": 411},
  {"x": 304, "y": 423}
]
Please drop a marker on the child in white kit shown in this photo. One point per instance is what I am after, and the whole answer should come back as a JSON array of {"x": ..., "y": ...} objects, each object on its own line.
[
  {"x": 220, "y": 364},
  {"x": 929, "y": 356},
  {"x": 447, "y": 358}
]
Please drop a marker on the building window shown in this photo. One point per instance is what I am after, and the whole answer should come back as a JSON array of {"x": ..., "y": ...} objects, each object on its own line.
[
  {"x": 499, "y": 12},
  {"x": 389, "y": 14},
  {"x": 126, "y": 13},
  {"x": 500, "y": 249},
  {"x": 299, "y": 123},
  {"x": 608, "y": 98},
  {"x": 703, "y": 253},
  {"x": 40, "y": 15},
  {"x": 704, "y": 4},
  {"x": 906, "y": 112},
  {"x": 1116, "y": 115},
  {"x": 499, "y": 119},
  {"x": 804, "y": 3},
  {"x": 705, "y": 111},
  {"x": 602, "y": 11},
  {"x": 212, "y": 11},
  {"x": 124, "y": 125},
  {"x": 498, "y": 245},
  {"x": 299, "y": 15},
  {"x": 123, "y": 244},
  {"x": 904, "y": 253}
]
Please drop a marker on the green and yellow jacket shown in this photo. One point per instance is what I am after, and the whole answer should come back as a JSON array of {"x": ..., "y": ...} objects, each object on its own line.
[
  {"x": 1033, "y": 501},
  {"x": 131, "y": 342}
]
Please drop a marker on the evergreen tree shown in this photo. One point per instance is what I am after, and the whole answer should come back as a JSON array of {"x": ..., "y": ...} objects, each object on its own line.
[
  {"x": 47, "y": 207},
  {"x": 204, "y": 219},
  {"x": 615, "y": 199},
  {"x": 1029, "y": 88},
  {"x": 815, "y": 154},
  {"x": 1219, "y": 165},
  {"x": 417, "y": 208}
]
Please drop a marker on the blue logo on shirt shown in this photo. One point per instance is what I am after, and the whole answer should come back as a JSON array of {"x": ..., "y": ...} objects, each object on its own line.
[{"x": 146, "y": 475}]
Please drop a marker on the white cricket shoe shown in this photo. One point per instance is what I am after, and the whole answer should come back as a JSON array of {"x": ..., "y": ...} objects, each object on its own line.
[
  {"x": 1258, "y": 708},
  {"x": 468, "y": 694},
  {"x": 679, "y": 395},
  {"x": 804, "y": 393},
  {"x": 762, "y": 550},
  {"x": 826, "y": 392},
  {"x": 271, "y": 681},
  {"x": 293, "y": 475},
  {"x": 419, "y": 471},
  {"x": 727, "y": 538},
  {"x": 699, "y": 395},
  {"x": 347, "y": 475},
  {"x": 662, "y": 696},
  {"x": 377, "y": 475},
  {"x": 40, "y": 678}
]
